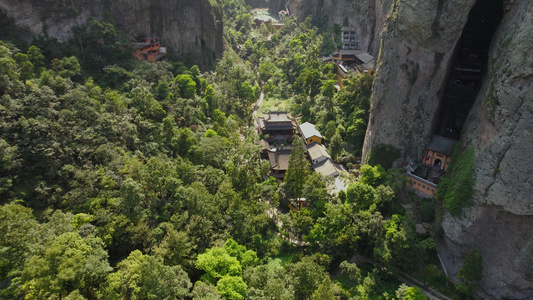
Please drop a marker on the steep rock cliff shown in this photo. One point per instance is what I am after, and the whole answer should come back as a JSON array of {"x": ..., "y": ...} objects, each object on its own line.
[
  {"x": 415, "y": 54},
  {"x": 499, "y": 128},
  {"x": 360, "y": 14},
  {"x": 192, "y": 29},
  {"x": 417, "y": 43}
]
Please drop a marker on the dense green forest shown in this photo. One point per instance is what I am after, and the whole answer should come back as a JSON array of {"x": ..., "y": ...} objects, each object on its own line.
[{"x": 124, "y": 179}]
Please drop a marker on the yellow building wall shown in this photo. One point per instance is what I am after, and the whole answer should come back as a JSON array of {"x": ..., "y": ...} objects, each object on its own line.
[
  {"x": 314, "y": 139},
  {"x": 421, "y": 186}
]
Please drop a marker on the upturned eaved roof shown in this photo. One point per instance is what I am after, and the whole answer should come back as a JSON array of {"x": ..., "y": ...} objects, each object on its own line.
[
  {"x": 442, "y": 145},
  {"x": 346, "y": 28},
  {"x": 343, "y": 68},
  {"x": 317, "y": 151},
  {"x": 141, "y": 45},
  {"x": 277, "y": 116},
  {"x": 308, "y": 130},
  {"x": 265, "y": 145},
  {"x": 328, "y": 168},
  {"x": 367, "y": 66},
  {"x": 279, "y": 159},
  {"x": 277, "y": 120}
]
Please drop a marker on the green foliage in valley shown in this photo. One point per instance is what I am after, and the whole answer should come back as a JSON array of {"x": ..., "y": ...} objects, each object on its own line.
[
  {"x": 287, "y": 65},
  {"x": 123, "y": 170},
  {"x": 124, "y": 179}
]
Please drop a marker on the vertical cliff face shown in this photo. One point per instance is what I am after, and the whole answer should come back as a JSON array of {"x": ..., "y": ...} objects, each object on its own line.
[
  {"x": 416, "y": 50},
  {"x": 192, "y": 29},
  {"x": 360, "y": 14},
  {"x": 417, "y": 43},
  {"x": 366, "y": 16},
  {"x": 50, "y": 15},
  {"x": 500, "y": 129}
]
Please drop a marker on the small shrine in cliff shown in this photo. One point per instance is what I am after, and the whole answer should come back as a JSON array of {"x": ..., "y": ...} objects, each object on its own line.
[
  {"x": 439, "y": 152},
  {"x": 425, "y": 176},
  {"x": 149, "y": 48}
]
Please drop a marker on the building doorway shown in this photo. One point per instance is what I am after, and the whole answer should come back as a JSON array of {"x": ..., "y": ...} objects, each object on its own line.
[{"x": 437, "y": 162}]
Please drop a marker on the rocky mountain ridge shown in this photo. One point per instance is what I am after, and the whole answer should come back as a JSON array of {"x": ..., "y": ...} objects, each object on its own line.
[
  {"x": 366, "y": 16},
  {"x": 359, "y": 14}
]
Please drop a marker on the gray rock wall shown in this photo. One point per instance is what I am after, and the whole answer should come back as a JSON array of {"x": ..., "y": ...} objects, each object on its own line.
[
  {"x": 192, "y": 29},
  {"x": 360, "y": 14},
  {"x": 417, "y": 43},
  {"x": 499, "y": 125},
  {"x": 500, "y": 129},
  {"x": 50, "y": 15},
  {"x": 418, "y": 38}
]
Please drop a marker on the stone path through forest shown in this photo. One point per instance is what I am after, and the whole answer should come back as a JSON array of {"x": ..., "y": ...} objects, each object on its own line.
[
  {"x": 404, "y": 278},
  {"x": 256, "y": 108}
]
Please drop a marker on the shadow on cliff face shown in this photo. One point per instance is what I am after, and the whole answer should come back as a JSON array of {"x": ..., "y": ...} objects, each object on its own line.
[
  {"x": 468, "y": 67},
  {"x": 9, "y": 31}
]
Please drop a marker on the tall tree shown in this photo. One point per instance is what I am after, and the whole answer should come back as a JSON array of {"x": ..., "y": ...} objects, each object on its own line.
[
  {"x": 326, "y": 290},
  {"x": 217, "y": 263},
  {"x": 142, "y": 276},
  {"x": 335, "y": 146},
  {"x": 19, "y": 232},
  {"x": 298, "y": 167},
  {"x": 405, "y": 292},
  {"x": 70, "y": 265},
  {"x": 307, "y": 275}
]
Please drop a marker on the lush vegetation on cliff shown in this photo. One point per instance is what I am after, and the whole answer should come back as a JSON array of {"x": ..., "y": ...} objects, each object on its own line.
[{"x": 456, "y": 190}]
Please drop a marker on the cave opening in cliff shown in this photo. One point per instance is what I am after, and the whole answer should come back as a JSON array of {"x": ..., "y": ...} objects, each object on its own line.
[{"x": 468, "y": 67}]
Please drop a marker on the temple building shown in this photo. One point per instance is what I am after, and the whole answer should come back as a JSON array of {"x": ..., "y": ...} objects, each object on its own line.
[
  {"x": 277, "y": 125},
  {"x": 349, "y": 39},
  {"x": 425, "y": 176},
  {"x": 149, "y": 49},
  {"x": 310, "y": 133},
  {"x": 279, "y": 161},
  {"x": 439, "y": 152}
]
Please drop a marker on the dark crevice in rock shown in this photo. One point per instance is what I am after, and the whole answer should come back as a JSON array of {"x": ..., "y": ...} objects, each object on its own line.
[
  {"x": 435, "y": 25},
  {"x": 468, "y": 67}
]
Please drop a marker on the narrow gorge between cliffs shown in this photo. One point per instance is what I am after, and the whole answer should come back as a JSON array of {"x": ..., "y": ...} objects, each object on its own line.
[{"x": 468, "y": 68}]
